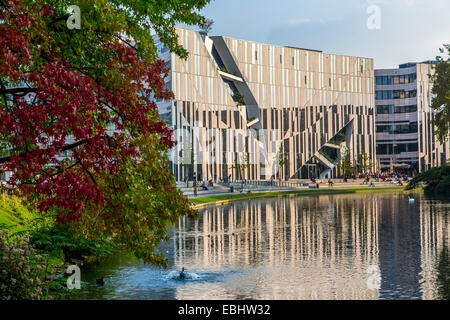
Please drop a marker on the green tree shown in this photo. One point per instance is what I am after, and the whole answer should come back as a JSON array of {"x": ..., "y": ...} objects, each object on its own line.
[
  {"x": 441, "y": 92},
  {"x": 436, "y": 181},
  {"x": 282, "y": 160},
  {"x": 346, "y": 165},
  {"x": 59, "y": 84},
  {"x": 364, "y": 162},
  {"x": 206, "y": 26}
]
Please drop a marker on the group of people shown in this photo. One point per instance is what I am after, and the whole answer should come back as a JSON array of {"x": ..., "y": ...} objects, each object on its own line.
[
  {"x": 370, "y": 178},
  {"x": 204, "y": 184}
]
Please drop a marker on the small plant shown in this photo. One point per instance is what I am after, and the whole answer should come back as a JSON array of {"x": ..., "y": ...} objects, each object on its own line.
[
  {"x": 206, "y": 26},
  {"x": 223, "y": 69},
  {"x": 239, "y": 98},
  {"x": 23, "y": 273}
]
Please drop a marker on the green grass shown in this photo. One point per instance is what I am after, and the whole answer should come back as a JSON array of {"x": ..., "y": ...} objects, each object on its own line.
[
  {"x": 205, "y": 200},
  {"x": 14, "y": 215}
]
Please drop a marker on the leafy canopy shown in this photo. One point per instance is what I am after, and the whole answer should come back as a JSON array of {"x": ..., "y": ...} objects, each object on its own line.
[
  {"x": 441, "y": 92},
  {"x": 78, "y": 123}
]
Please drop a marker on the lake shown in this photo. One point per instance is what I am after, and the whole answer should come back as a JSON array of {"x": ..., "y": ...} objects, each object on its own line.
[{"x": 348, "y": 246}]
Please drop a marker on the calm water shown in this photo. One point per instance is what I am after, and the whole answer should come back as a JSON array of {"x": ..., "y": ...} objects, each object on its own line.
[{"x": 361, "y": 246}]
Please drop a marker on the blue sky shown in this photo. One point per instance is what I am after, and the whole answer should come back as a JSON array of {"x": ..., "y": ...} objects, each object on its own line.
[{"x": 411, "y": 30}]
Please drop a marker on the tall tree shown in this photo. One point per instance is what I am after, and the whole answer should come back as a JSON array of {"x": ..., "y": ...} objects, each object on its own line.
[
  {"x": 441, "y": 92},
  {"x": 364, "y": 162},
  {"x": 78, "y": 116},
  {"x": 346, "y": 166}
]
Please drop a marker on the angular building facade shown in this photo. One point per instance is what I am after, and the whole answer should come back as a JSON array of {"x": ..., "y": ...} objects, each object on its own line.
[
  {"x": 247, "y": 110},
  {"x": 406, "y": 139}
]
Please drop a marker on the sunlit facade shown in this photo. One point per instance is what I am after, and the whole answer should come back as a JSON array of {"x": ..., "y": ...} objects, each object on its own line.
[
  {"x": 406, "y": 137},
  {"x": 240, "y": 102}
]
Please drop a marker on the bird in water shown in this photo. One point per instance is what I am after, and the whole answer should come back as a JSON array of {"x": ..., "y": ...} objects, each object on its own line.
[
  {"x": 100, "y": 281},
  {"x": 182, "y": 275}
]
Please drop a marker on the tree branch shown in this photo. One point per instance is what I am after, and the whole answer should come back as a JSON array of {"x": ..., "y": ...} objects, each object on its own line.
[
  {"x": 65, "y": 148},
  {"x": 16, "y": 91}
]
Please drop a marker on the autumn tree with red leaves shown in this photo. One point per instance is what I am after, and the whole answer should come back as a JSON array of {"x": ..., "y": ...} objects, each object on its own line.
[{"x": 78, "y": 116}]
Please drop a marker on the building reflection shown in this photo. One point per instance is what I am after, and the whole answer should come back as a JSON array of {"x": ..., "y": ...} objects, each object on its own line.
[{"x": 314, "y": 248}]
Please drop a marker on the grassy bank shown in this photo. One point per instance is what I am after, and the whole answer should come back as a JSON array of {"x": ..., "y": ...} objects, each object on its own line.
[
  {"x": 59, "y": 242},
  {"x": 14, "y": 215},
  {"x": 241, "y": 196}
]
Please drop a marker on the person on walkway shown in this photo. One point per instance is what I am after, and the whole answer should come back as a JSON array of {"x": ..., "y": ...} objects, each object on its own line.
[
  {"x": 195, "y": 187},
  {"x": 330, "y": 182}
]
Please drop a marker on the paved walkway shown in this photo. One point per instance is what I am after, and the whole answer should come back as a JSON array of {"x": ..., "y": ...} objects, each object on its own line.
[{"x": 218, "y": 189}]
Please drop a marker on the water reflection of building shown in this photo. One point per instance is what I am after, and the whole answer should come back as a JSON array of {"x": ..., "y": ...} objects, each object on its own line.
[
  {"x": 315, "y": 247},
  {"x": 399, "y": 242},
  {"x": 290, "y": 242},
  {"x": 435, "y": 242}
]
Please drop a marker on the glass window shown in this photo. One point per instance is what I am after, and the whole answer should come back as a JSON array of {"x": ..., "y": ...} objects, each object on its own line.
[
  {"x": 384, "y": 109},
  {"x": 384, "y": 95}
]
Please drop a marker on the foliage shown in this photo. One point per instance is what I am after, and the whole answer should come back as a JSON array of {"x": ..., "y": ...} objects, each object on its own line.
[
  {"x": 144, "y": 203},
  {"x": 15, "y": 215},
  {"x": 364, "y": 162},
  {"x": 62, "y": 242},
  {"x": 206, "y": 26},
  {"x": 338, "y": 139},
  {"x": 238, "y": 98},
  {"x": 437, "y": 181},
  {"x": 62, "y": 90},
  {"x": 224, "y": 69},
  {"x": 23, "y": 273},
  {"x": 441, "y": 92},
  {"x": 326, "y": 156},
  {"x": 282, "y": 159},
  {"x": 346, "y": 164}
]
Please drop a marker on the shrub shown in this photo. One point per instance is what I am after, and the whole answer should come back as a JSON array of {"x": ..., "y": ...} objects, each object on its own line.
[
  {"x": 61, "y": 241},
  {"x": 436, "y": 181},
  {"x": 239, "y": 98},
  {"x": 23, "y": 273}
]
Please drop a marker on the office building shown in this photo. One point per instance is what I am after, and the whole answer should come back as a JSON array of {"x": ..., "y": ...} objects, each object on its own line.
[
  {"x": 406, "y": 140},
  {"x": 247, "y": 110}
]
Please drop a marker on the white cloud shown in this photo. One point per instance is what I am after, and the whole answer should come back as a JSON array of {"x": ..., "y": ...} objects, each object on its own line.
[{"x": 294, "y": 22}]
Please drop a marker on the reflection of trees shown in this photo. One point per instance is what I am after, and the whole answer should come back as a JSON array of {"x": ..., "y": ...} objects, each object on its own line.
[{"x": 443, "y": 277}]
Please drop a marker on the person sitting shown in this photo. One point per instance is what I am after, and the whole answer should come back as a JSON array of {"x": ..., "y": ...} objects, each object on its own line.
[
  {"x": 203, "y": 186},
  {"x": 330, "y": 182}
]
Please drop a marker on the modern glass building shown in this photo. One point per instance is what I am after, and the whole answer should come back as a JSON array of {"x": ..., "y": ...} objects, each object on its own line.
[
  {"x": 406, "y": 139},
  {"x": 247, "y": 110}
]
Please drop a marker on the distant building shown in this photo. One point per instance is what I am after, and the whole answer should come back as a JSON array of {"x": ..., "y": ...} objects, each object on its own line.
[
  {"x": 247, "y": 110},
  {"x": 406, "y": 139}
]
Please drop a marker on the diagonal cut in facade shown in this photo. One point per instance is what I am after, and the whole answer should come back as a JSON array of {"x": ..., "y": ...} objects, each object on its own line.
[{"x": 247, "y": 110}]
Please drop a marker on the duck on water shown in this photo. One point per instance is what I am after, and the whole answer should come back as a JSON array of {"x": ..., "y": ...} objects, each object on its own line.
[{"x": 182, "y": 275}]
